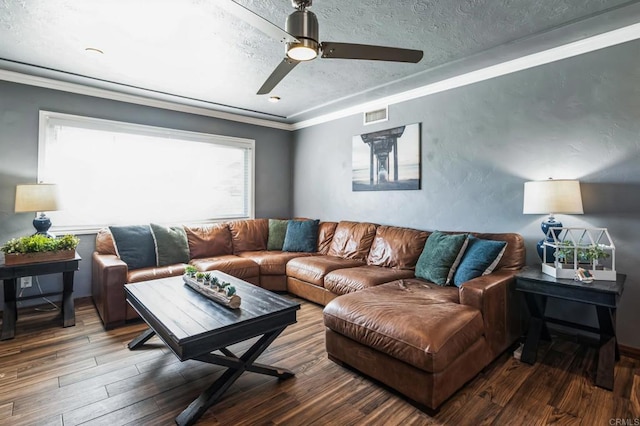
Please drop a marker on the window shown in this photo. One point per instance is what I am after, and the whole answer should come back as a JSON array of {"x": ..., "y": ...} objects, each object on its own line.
[{"x": 121, "y": 173}]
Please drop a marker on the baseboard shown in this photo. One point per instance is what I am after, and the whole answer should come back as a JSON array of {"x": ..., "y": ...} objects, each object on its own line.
[{"x": 630, "y": 351}]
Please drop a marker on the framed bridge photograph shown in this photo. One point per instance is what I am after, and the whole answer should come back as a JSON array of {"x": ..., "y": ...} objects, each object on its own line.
[{"x": 387, "y": 160}]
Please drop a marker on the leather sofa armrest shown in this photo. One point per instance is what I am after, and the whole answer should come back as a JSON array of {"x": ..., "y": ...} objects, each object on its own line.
[
  {"x": 108, "y": 277},
  {"x": 495, "y": 297}
]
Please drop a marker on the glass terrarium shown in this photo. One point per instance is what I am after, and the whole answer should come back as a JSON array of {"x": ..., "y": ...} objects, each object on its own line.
[{"x": 588, "y": 248}]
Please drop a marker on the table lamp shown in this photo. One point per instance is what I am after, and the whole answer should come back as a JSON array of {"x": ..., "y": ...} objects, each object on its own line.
[
  {"x": 38, "y": 197},
  {"x": 550, "y": 197}
]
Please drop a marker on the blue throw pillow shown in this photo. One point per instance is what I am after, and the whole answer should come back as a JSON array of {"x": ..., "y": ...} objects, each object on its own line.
[
  {"x": 134, "y": 245},
  {"x": 301, "y": 236},
  {"x": 480, "y": 258}
]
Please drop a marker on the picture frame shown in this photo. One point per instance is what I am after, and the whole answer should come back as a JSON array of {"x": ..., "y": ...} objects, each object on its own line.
[{"x": 387, "y": 160}]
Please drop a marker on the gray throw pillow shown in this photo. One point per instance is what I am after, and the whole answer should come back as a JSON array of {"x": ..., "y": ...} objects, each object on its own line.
[
  {"x": 171, "y": 244},
  {"x": 277, "y": 232}
]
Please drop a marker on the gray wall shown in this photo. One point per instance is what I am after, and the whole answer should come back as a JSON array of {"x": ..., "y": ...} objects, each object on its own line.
[
  {"x": 577, "y": 118},
  {"x": 19, "y": 109}
]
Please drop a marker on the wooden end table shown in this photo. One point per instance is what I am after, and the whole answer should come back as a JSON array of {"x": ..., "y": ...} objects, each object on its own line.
[
  {"x": 194, "y": 327},
  {"x": 9, "y": 274},
  {"x": 537, "y": 287}
]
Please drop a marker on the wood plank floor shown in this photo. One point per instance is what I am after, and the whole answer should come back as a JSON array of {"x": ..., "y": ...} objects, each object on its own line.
[{"x": 51, "y": 375}]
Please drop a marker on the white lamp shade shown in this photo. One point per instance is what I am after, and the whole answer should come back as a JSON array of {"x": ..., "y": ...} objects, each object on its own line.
[
  {"x": 552, "y": 196},
  {"x": 40, "y": 197}
]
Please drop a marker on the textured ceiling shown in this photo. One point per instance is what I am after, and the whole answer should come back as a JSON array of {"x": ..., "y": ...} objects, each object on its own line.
[{"x": 197, "y": 51}]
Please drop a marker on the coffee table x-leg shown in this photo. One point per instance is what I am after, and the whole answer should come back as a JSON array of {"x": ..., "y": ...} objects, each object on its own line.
[{"x": 236, "y": 366}]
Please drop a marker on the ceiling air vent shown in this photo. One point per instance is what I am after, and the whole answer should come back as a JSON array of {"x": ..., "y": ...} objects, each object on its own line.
[{"x": 376, "y": 116}]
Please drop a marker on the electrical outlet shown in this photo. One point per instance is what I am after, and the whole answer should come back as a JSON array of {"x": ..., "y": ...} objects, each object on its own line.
[{"x": 25, "y": 282}]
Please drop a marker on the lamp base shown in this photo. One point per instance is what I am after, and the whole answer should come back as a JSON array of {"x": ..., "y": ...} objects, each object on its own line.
[
  {"x": 545, "y": 226},
  {"x": 42, "y": 224}
]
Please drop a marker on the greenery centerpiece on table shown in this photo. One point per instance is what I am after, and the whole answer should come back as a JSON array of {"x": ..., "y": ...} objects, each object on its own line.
[{"x": 39, "y": 248}]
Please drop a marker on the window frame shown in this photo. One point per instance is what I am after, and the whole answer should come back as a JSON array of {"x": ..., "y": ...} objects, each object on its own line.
[{"x": 45, "y": 117}]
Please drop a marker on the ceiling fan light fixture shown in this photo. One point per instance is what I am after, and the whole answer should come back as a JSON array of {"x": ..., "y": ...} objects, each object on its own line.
[
  {"x": 303, "y": 51},
  {"x": 303, "y": 25}
]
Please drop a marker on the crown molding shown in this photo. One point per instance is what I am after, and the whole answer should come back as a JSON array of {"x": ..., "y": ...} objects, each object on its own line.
[
  {"x": 586, "y": 45},
  {"x": 50, "y": 83}
]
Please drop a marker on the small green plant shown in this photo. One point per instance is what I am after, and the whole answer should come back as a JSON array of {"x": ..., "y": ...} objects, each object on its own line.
[
  {"x": 39, "y": 243},
  {"x": 200, "y": 276},
  {"x": 566, "y": 249},
  {"x": 190, "y": 271},
  {"x": 68, "y": 242},
  {"x": 215, "y": 281},
  {"x": 207, "y": 277}
]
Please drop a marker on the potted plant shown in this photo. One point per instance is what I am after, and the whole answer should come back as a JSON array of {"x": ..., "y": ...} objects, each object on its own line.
[
  {"x": 207, "y": 278},
  {"x": 39, "y": 248},
  {"x": 590, "y": 254},
  {"x": 200, "y": 277},
  {"x": 190, "y": 271}
]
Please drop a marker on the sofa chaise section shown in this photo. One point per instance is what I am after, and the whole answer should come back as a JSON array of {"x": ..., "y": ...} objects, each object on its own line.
[{"x": 425, "y": 340}]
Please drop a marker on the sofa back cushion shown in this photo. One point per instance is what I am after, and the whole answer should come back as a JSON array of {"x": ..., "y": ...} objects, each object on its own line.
[
  {"x": 326, "y": 231},
  {"x": 104, "y": 242},
  {"x": 395, "y": 247},
  {"x": 249, "y": 235},
  {"x": 352, "y": 240},
  {"x": 209, "y": 240}
]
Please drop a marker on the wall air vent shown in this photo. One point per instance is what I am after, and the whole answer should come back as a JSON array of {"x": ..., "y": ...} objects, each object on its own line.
[{"x": 376, "y": 116}]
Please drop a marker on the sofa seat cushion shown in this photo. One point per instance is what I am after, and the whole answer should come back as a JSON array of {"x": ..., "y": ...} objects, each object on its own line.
[
  {"x": 434, "y": 292},
  {"x": 403, "y": 321},
  {"x": 342, "y": 281},
  {"x": 272, "y": 262},
  {"x": 154, "y": 273},
  {"x": 314, "y": 268},
  {"x": 237, "y": 266}
]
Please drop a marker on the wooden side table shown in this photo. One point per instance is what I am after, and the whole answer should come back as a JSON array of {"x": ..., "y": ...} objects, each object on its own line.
[
  {"x": 604, "y": 295},
  {"x": 10, "y": 275}
]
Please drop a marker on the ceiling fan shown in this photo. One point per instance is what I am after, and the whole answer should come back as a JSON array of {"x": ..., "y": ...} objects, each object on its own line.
[{"x": 302, "y": 41}]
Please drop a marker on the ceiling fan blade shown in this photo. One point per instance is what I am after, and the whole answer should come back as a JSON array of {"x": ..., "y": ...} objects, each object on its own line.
[
  {"x": 277, "y": 75},
  {"x": 256, "y": 21},
  {"x": 372, "y": 53}
]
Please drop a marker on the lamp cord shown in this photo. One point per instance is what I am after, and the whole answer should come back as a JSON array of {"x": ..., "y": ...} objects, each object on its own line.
[{"x": 55, "y": 307}]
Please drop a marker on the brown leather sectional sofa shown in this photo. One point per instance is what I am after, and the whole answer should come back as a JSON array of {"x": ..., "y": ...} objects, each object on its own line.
[{"x": 421, "y": 339}]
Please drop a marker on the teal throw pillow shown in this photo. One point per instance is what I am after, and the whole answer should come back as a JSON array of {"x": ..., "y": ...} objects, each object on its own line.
[
  {"x": 134, "y": 245},
  {"x": 277, "y": 231},
  {"x": 171, "y": 244},
  {"x": 301, "y": 236},
  {"x": 440, "y": 256},
  {"x": 480, "y": 258}
]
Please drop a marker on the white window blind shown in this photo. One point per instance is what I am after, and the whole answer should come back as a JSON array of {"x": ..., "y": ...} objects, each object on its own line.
[{"x": 122, "y": 173}]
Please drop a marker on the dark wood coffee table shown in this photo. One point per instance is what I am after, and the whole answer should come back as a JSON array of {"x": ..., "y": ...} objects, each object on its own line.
[{"x": 194, "y": 327}]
